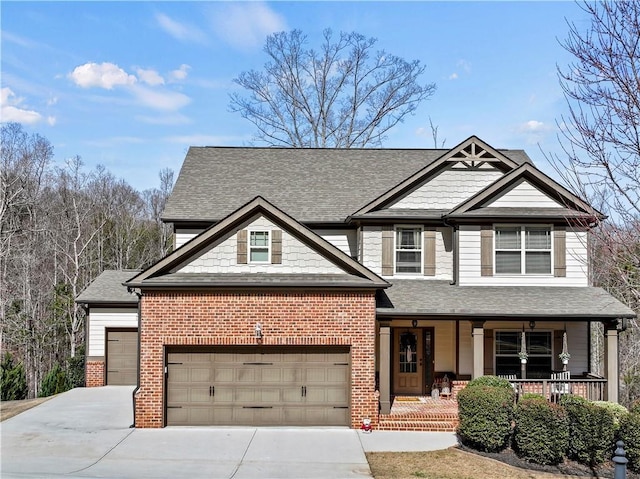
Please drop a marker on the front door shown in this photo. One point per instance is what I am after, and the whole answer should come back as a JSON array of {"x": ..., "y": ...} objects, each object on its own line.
[{"x": 408, "y": 362}]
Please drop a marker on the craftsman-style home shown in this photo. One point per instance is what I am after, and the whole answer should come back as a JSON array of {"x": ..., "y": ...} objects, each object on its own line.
[{"x": 315, "y": 286}]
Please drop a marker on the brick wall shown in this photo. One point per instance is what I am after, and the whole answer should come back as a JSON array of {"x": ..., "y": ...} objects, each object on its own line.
[
  {"x": 94, "y": 374},
  {"x": 294, "y": 319}
]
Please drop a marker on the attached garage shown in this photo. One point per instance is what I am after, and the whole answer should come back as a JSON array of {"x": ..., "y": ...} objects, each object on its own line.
[
  {"x": 122, "y": 357},
  {"x": 258, "y": 386}
]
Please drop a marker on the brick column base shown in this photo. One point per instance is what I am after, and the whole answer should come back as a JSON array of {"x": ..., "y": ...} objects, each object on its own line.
[{"x": 94, "y": 374}]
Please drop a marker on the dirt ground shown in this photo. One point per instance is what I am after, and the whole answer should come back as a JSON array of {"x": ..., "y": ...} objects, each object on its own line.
[
  {"x": 11, "y": 408},
  {"x": 457, "y": 463}
]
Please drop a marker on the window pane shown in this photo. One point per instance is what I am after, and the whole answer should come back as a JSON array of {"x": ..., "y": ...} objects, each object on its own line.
[
  {"x": 507, "y": 238},
  {"x": 508, "y": 262},
  {"x": 408, "y": 238},
  {"x": 259, "y": 238},
  {"x": 408, "y": 261},
  {"x": 538, "y": 238},
  {"x": 538, "y": 263},
  {"x": 539, "y": 343},
  {"x": 259, "y": 255},
  {"x": 507, "y": 343},
  {"x": 508, "y": 365}
]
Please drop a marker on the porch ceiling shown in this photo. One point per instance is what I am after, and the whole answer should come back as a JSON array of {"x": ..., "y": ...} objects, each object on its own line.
[{"x": 440, "y": 298}]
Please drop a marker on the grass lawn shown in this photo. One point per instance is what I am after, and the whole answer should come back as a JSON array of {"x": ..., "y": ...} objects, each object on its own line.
[{"x": 447, "y": 464}]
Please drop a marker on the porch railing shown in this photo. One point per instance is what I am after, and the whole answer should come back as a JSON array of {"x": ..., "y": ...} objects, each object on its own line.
[{"x": 553, "y": 389}]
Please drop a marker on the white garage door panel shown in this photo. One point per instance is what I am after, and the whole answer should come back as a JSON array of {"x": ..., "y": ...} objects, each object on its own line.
[{"x": 254, "y": 388}]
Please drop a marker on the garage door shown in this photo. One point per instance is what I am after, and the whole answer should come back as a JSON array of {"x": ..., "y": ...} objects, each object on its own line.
[
  {"x": 258, "y": 388},
  {"x": 122, "y": 357}
]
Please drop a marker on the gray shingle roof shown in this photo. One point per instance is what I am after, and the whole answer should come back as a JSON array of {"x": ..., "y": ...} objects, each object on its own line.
[
  {"x": 252, "y": 280},
  {"x": 312, "y": 185},
  {"x": 503, "y": 212},
  {"x": 108, "y": 288},
  {"x": 439, "y": 298}
]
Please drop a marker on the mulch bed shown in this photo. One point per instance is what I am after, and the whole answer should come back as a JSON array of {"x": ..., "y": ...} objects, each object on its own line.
[{"x": 569, "y": 468}]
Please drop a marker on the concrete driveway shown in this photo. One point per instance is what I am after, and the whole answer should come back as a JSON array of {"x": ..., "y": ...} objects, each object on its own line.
[{"x": 86, "y": 433}]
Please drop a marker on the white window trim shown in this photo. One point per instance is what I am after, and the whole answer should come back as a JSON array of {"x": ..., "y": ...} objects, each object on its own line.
[
  {"x": 395, "y": 249},
  {"x": 249, "y": 247},
  {"x": 523, "y": 250}
]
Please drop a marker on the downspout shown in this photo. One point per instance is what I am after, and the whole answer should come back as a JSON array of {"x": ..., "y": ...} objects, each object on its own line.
[
  {"x": 85, "y": 308},
  {"x": 455, "y": 250},
  {"x": 137, "y": 388}
]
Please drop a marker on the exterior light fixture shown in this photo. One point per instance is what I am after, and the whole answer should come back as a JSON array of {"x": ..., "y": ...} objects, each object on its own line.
[
  {"x": 414, "y": 323},
  {"x": 258, "y": 331},
  {"x": 532, "y": 324}
]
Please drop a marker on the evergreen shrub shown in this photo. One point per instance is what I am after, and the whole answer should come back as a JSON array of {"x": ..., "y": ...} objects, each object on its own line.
[
  {"x": 13, "y": 380},
  {"x": 541, "y": 434},
  {"x": 629, "y": 433},
  {"x": 54, "y": 382},
  {"x": 486, "y": 416}
]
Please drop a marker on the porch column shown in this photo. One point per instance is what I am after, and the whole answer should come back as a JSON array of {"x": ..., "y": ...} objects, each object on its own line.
[
  {"x": 611, "y": 359},
  {"x": 385, "y": 369},
  {"x": 477, "y": 332}
]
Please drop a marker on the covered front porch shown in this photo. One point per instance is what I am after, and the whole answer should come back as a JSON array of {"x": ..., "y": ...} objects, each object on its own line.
[{"x": 430, "y": 332}]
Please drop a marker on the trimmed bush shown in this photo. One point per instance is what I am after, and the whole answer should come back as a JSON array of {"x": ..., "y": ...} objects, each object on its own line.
[
  {"x": 13, "y": 381},
  {"x": 54, "y": 382},
  {"x": 630, "y": 433},
  {"x": 486, "y": 416},
  {"x": 618, "y": 410},
  {"x": 75, "y": 369},
  {"x": 492, "y": 381},
  {"x": 592, "y": 430},
  {"x": 541, "y": 434}
]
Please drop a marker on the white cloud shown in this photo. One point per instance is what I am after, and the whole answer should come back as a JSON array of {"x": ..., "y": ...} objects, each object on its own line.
[
  {"x": 179, "y": 74},
  {"x": 10, "y": 110},
  {"x": 104, "y": 75},
  {"x": 150, "y": 77},
  {"x": 160, "y": 100},
  {"x": 453, "y": 76},
  {"x": 533, "y": 126},
  {"x": 180, "y": 31},
  {"x": 245, "y": 25}
]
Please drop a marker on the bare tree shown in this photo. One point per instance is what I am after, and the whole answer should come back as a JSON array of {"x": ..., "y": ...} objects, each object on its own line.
[
  {"x": 601, "y": 142},
  {"x": 344, "y": 95}
]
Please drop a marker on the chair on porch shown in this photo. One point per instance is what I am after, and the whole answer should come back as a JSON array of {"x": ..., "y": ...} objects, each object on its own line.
[{"x": 559, "y": 388}]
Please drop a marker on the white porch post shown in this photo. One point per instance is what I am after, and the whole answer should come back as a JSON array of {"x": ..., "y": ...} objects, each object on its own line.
[
  {"x": 477, "y": 332},
  {"x": 611, "y": 359},
  {"x": 385, "y": 369}
]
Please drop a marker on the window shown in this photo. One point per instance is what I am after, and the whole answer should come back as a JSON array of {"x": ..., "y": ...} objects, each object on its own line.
[
  {"x": 259, "y": 247},
  {"x": 408, "y": 250},
  {"x": 523, "y": 249},
  {"x": 508, "y": 344}
]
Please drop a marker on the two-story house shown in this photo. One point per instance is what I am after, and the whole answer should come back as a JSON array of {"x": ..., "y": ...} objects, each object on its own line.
[{"x": 312, "y": 286}]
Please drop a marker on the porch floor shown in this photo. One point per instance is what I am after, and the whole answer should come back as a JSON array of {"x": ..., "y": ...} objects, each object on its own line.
[{"x": 420, "y": 413}]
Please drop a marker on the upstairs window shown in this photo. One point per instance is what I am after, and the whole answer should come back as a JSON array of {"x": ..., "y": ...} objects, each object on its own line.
[
  {"x": 523, "y": 250},
  {"x": 258, "y": 247},
  {"x": 408, "y": 250}
]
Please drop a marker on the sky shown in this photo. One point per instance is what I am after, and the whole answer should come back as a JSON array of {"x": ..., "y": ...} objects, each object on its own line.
[{"x": 131, "y": 85}]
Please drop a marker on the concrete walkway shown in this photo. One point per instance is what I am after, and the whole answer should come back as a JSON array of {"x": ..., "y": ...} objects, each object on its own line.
[{"x": 86, "y": 433}]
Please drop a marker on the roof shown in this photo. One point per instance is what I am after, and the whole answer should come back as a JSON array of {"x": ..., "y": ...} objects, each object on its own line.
[
  {"x": 108, "y": 288},
  {"x": 440, "y": 298},
  {"x": 313, "y": 185}
]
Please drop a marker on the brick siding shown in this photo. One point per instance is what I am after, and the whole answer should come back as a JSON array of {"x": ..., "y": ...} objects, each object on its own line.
[
  {"x": 288, "y": 319},
  {"x": 94, "y": 374}
]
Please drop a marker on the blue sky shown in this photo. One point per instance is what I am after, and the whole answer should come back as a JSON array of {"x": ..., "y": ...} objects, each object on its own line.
[{"x": 131, "y": 85}]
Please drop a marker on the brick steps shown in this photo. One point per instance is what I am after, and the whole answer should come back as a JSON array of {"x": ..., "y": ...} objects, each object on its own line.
[
  {"x": 417, "y": 425},
  {"x": 420, "y": 414}
]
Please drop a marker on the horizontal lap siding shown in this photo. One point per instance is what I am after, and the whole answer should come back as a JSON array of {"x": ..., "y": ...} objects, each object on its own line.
[
  {"x": 101, "y": 318},
  {"x": 288, "y": 319},
  {"x": 469, "y": 260}
]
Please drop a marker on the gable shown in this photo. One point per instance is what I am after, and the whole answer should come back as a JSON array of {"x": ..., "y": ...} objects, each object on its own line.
[
  {"x": 449, "y": 188},
  {"x": 472, "y": 156},
  {"x": 297, "y": 257},
  {"x": 220, "y": 257},
  {"x": 522, "y": 195}
]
